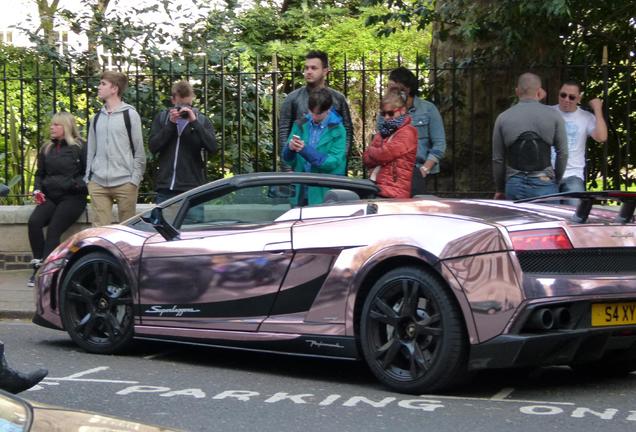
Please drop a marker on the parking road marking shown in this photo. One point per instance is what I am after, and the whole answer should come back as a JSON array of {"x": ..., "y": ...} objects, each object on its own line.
[
  {"x": 485, "y": 399},
  {"x": 503, "y": 393},
  {"x": 76, "y": 377},
  {"x": 158, "y": 355}
]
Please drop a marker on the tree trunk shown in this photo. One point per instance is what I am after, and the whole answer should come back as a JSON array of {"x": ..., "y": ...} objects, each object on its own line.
[
  {"x": 96, "y": 27},
  {"x": 47, "y": 13}
]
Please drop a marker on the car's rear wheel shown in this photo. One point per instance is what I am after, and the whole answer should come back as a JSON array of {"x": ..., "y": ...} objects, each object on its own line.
[
  {"x": 97, "y": 305},
  {"x": 412, "y": 334}
]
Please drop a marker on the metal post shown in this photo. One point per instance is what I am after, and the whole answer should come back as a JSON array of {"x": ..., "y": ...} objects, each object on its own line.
[
  {"x": 471, "y": 137},
  {"x": 628, "y": 128},
  {"x": 54, "y": 83},
  {"x": 206, "y": 155},
  {"x": 239, "y": 102},
  {"x": 257, "y": 118},
  {"x": 364, "y": 110},
  {"x": 223, "y": 115},
  {"x": 605, "y": 144},
  {"x": 277, "y": 144},
  {"x": 453, "y": 115},
  {"x": 37, "y": 104},
  {"x": 22, "y": 127},
  {"x": 71, "y": 105},
  {"x": 6, "y": 121}
]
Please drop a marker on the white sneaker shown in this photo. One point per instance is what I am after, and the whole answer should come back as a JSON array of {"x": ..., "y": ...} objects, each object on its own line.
[
  {"x": 36, "y": 263},
  {"x": 31, "y": 281}
]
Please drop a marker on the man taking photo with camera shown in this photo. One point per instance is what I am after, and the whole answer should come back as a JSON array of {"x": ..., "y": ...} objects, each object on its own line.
[{"x": 179, "y": 136}]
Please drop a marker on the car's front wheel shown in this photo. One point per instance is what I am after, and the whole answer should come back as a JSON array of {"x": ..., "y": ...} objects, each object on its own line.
[
  {"x": 411, "y": 332},
  {"x": 97, "y": 305}
]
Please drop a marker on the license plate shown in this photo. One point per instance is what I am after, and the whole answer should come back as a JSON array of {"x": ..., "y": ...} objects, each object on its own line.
[{"x": 613, "y": 314}]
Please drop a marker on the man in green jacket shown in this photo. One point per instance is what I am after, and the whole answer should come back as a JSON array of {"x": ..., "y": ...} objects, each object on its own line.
[{"x": 317, "y": 144}]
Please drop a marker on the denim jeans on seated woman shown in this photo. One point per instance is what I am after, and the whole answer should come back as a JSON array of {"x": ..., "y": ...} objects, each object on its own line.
[{"x": 521, "y": 186}]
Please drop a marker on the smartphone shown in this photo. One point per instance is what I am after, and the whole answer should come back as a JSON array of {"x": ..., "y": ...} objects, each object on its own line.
[{"x": 295, "y": 137}]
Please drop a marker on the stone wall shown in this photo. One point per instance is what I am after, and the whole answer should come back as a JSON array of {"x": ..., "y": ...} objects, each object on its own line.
[{"x": 15, "y": 251}]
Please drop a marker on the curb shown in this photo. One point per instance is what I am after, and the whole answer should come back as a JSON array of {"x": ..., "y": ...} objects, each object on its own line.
[{"x": 17, "y": 315}]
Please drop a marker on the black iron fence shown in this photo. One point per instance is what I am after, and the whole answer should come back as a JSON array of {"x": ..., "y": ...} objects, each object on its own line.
[{"x": 242, "y": 98}]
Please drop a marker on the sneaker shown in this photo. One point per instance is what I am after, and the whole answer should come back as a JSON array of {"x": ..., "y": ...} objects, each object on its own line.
[
  {"x": 36, "y": 263},
  {"x": 31, "y": 281}
]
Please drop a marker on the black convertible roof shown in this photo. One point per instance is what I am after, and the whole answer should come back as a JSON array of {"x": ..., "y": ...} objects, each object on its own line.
[{"x": 363, "y": 187}]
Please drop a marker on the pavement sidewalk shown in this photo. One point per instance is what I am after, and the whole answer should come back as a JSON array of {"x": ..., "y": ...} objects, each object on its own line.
[{"x": 16, "y": 298}]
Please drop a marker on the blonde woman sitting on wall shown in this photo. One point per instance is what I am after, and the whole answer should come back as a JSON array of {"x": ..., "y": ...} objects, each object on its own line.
[{"x": 60, "y": 191}]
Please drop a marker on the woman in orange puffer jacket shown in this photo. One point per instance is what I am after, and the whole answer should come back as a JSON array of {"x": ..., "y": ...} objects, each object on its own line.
[{"x": 391, "y": 156}]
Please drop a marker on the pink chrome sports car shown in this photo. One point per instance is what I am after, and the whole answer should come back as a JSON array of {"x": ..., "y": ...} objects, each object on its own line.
[{"x": 424, "y": 290}]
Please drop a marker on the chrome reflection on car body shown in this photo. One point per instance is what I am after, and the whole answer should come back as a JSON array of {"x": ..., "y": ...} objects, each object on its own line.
[{"x": 297, "y": 282}]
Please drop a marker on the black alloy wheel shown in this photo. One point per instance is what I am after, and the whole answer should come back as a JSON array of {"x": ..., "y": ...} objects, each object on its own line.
[
  {"x": 97, "y": 304},
  {"x": 411, "y": 332}
]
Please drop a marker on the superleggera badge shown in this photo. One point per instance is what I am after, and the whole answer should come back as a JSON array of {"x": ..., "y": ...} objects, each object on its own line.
[{"x": 173, "y": 310}]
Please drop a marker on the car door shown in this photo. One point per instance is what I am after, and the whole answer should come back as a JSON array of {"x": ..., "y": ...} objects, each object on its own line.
[{"x": 226, "y": 267}]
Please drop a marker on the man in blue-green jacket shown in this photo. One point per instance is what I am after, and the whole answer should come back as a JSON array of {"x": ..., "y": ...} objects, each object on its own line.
[{"x": 317, "y": 144}]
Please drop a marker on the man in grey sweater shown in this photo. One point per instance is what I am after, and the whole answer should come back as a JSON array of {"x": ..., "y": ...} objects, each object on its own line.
[
  {"x": 295, "y": 106},
  {"x": 116, "y": 159},
  {"x": 522, "y": 138}
]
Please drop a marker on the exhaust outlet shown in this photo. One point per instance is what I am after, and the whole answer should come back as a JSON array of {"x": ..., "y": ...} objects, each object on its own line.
[
  {"x": 541, "y": 319},
  {"x": 562, "y": 317}
]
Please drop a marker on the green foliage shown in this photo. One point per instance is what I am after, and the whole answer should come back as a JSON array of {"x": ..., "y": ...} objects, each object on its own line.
[{"x": 242, "y": 61}]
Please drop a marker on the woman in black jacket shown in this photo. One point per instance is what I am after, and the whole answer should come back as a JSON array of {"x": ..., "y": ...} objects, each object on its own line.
[{"x": 60, "y": 191}]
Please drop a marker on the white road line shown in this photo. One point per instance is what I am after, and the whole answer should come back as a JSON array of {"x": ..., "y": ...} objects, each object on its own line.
[
  {"x": 90, "y": 380},
  {"x": 503, "y": 393},
  {"x": 89, "y": 371},
  {"x": 158, "y": 355},
  {"x": 76, "y": 377},
  {"x": 484, "y": 399}
]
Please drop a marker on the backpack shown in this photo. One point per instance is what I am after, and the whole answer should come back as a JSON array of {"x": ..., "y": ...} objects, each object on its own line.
[
  {"x": 529, "y": 152},
  {"x": 126, "y": 122}
]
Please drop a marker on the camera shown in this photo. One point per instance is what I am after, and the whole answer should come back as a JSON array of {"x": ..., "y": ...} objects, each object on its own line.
[{"x": 182, "y": 114}]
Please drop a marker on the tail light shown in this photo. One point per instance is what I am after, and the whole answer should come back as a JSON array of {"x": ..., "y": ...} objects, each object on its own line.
[{"x": 540, "y": 239}]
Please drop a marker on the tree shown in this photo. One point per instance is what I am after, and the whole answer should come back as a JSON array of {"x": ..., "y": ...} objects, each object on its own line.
[{"x": 47, "y": 14}]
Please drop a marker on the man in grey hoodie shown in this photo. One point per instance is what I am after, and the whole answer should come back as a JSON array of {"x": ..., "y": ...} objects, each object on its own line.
[{"x": 116, "y": 158}]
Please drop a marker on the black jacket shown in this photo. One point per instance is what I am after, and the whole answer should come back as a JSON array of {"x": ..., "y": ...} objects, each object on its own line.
[
  {"x": 61, "y": 169},
  {"x": 195, "y": 138}
]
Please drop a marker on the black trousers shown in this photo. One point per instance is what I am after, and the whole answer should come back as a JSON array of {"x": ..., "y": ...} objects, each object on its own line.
[
  {"x": 419, "y": 183},
  {"x": 58, "y": 215}
]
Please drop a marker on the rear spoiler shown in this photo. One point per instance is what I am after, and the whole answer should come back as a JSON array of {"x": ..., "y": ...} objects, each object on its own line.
[{"x": 625, "y": 214}]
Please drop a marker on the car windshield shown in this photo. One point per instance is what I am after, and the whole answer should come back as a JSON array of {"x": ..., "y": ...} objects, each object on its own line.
[
  {"x": 250, "y": 205},
  {"x": 14, "y": 414}
]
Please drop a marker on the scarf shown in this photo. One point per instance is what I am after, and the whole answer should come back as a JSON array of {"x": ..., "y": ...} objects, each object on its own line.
[{"x": 387, "y": 127}]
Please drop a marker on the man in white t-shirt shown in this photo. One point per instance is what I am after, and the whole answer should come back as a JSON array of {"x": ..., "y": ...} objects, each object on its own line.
[{"x": 579, "y": 124}]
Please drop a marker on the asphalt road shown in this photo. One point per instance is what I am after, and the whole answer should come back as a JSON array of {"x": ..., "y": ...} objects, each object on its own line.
[{"x": 204, "y": 389}]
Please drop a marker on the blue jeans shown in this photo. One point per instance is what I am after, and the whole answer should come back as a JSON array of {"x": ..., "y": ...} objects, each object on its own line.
[
  {"x": 571, "y": 184},
  {"x": 521, "y": 186}
]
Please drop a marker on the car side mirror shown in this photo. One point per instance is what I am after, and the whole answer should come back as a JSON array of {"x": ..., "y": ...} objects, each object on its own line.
[
  {"x": 4, "y": 190},
  {"x": 160, "y": 223}
]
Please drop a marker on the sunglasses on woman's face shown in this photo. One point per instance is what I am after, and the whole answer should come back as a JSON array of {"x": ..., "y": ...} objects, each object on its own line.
[
  {"x": 569, "y": 96},
  {"x": 387, "y": 113}
]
